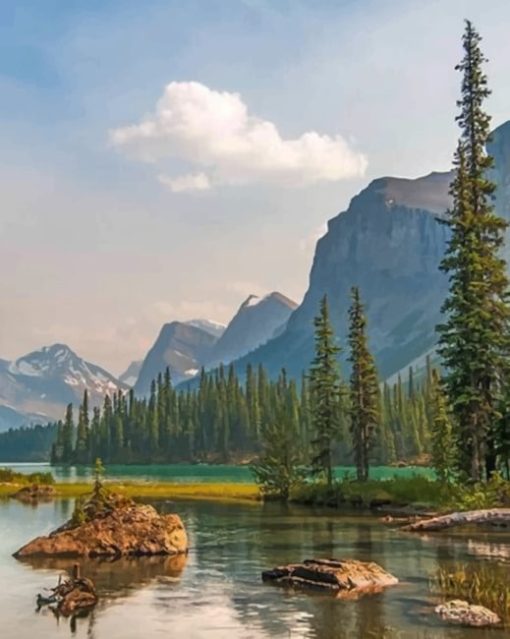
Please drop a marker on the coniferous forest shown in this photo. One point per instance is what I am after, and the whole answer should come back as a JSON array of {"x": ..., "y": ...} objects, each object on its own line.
[{"x": 231, "y": 419}]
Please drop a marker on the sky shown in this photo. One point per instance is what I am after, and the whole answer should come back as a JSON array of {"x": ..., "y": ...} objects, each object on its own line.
[{"x": 162, "y": 160}]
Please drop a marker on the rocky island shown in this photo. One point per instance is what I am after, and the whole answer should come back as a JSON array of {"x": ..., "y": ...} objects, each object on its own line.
[{"x": 111, "y": 525}]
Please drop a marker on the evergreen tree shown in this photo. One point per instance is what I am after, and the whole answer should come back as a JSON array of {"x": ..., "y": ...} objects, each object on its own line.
[
  {"x": 280, "y": 465},
  {"x": 442, "y": 440},
  {"x": 364, "y": 388},
  {"x": 68, "y": 435},
  {"x": 474, "y": 338},
  {"x": 83, "y": 432},
  {"x": 325, "y": 394}
]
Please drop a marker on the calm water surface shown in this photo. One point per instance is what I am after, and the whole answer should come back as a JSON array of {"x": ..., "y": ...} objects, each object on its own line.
[
  {"x": 218, "y": 593},
  {"x": 187, "y": 472}
]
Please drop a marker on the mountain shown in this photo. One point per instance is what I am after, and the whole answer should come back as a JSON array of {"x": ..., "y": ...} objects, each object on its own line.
[
  {"x": 130, "y": 375},
  {"x": 255, "y": 323},
  {"x": 214, "y": 328},
  {"x": 389, "y": 243},
  {"x": 180, "y": 346},
  {"x": 40, "y": 384},
  {"x": 12, "y": 418}
]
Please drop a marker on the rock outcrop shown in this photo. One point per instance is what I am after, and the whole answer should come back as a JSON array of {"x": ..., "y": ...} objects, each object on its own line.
[
  {"x": 462, "y": 613},
  {"x": 120, "y": 527},
  {"x": 342, "y": 577}
]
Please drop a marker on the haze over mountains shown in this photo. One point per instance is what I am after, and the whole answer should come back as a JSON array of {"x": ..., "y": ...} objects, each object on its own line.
[
  {"x": 38, "y": 386},
  {"x": 186, "y": 347},
  {"x": 388, "y": 242}
]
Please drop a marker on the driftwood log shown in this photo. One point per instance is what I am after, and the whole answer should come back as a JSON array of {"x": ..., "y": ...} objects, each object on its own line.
[
  {"x": 71, "y": 595},
  {"x": 487, "y": 516}
]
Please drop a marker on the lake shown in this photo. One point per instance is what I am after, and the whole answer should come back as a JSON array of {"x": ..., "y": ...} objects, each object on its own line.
[
  {"x": 217, "y": 593},
  {"x": 189, "y": 473}
]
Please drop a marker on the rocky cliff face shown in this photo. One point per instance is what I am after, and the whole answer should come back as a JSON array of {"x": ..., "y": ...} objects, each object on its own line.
[{"x": 389, "y": 243}]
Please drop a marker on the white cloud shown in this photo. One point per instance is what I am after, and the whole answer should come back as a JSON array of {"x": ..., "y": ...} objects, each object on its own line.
[
  {"x": 189, "y": 182},
  {"x": 213, "y": 130}
]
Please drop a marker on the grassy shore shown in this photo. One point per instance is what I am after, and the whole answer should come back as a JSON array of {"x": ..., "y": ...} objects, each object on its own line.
[
  {"x": 418, "y": 492},
  {"x": 164, "y": 490}
]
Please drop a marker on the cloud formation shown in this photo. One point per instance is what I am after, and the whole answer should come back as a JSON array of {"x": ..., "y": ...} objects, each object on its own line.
[{"x": 214, "y": 132}]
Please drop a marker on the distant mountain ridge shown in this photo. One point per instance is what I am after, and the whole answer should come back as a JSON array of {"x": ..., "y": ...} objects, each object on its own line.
[
  {"x": 130, "y": 375},
  {"x": 254, "y": 324},
  {"x": 40, "y": 384},
  {"x": 179, "y": 346},
  {"x": 186, "y": 347}
]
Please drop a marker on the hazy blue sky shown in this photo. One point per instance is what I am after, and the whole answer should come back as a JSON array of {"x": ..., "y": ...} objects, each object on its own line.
[{"x": 162, "y": 160}]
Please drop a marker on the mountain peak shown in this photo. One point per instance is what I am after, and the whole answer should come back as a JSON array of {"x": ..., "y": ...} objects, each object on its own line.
[
  {"x": 256, "y": 321},
  {"x": 275, "y": 296},
  {"x": 44, "y": 381},
  {"x": 427, "y": 193}
]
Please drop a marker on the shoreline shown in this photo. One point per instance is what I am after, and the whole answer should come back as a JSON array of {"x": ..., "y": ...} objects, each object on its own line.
[{"x": 220, "y": 491}]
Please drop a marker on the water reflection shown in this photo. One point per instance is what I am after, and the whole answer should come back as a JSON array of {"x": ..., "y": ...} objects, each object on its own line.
[{"x": 219, "y": 594}]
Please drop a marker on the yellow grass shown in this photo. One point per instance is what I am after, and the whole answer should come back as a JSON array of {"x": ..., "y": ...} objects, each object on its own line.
[{"x": 213, "y": 491}]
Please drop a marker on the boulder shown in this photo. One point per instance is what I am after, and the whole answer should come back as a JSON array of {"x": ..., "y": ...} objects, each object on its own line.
[
  {"x": 462, "y": 613},
  {"x": 343, "y": 577},
  {"x": 117, "y": 527}
]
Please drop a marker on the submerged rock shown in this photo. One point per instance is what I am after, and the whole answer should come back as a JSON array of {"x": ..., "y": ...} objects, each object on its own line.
[
  {"x": 463, "y": 613},
  {"x": 344, "y": 577},
  {"x": 115, "y": 527}
]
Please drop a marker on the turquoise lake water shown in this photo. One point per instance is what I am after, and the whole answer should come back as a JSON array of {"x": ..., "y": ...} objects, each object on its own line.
[{"x": 189, "y": 472}]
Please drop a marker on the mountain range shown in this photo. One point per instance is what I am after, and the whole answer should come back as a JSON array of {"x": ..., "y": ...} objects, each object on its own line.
[
  {"x": 389, "y": 242},
  {"x": 37, "y": 386},
  {"x": 186, "y": 347}
]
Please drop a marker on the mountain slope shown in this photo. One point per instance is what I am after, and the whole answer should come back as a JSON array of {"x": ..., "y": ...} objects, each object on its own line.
[
  {"x": 44, "y": 381},
  {"x": 389, "y": 243},
  {"x": 180, "y": 346},
  {"x": 130, "y": 375},
  {"x": 216, "y": 329},
  {"x": 255, "y": 323}
]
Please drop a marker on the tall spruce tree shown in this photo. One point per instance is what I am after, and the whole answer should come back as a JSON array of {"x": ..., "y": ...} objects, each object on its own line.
[
  {"x": 474, "y": 338},
  {"x": 364, "y": 405},
  {"x": 325, "y": 394}
]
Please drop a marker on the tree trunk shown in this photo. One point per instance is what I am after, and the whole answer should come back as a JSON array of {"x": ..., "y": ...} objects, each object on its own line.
[{"x": 488, "y": 516}]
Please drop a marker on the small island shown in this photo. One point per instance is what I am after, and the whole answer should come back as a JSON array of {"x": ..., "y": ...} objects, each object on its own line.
[{"x": 107, "y": 524}]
